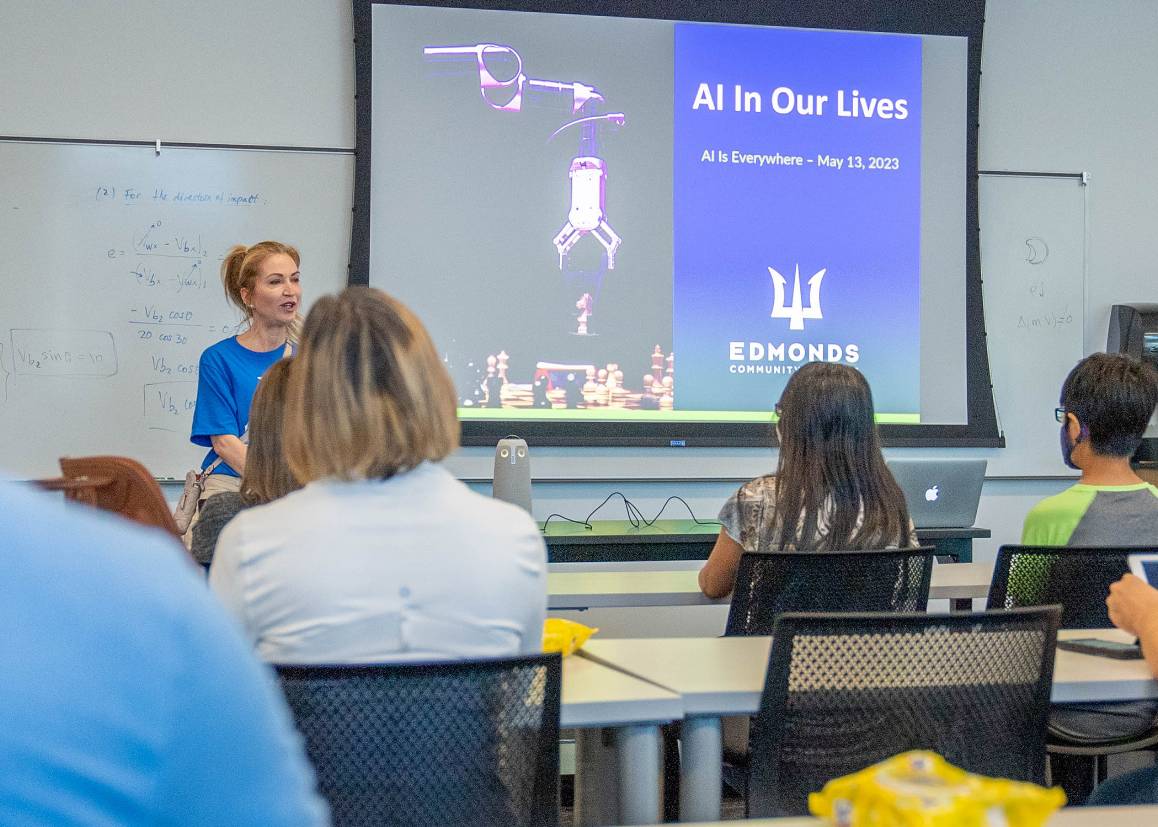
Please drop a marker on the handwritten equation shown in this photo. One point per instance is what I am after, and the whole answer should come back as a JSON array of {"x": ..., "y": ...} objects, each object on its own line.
[
  {"x": 168, "y": 406},
  {"x": 47, "y": 352}
]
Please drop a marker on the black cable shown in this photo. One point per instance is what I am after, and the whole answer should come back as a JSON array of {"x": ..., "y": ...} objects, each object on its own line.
[
  {"x": 568, "y": 519},
  {"x": 634, "y": 514}
]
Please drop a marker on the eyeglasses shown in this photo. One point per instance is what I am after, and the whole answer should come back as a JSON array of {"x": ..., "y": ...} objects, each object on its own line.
[{"x": 1059, "y": 414}]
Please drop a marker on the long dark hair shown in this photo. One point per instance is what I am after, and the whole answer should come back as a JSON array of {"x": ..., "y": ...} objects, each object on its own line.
[{"x": 830, "y": 451}]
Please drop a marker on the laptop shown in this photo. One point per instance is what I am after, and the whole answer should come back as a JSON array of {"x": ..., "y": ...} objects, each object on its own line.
[{"x": 941, "y": 493}]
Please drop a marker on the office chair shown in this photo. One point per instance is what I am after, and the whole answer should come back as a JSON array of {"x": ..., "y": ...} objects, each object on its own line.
[
  {"x": 1078, "y": 578},
  {"x": 767, "y": 585},
  {"x": 845, "y": 691},
  {"x": 470, "y": 743}
]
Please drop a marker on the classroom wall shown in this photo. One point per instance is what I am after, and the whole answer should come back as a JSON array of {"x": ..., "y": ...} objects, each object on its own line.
[{"x": 1067, "y": 86}]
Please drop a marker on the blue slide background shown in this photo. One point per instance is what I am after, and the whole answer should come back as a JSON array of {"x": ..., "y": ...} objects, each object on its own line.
[{"x": 732, "y": 222}]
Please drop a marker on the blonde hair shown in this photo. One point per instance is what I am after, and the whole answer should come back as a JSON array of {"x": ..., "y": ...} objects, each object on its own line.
[
  {"x": 368, "y": 396},
  {"x": 239, "y": 269},
  {"x": 267, "y": 477}
]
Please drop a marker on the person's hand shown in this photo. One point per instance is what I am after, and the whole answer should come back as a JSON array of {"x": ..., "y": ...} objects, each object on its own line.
[{"x": 1133, "y": 605}]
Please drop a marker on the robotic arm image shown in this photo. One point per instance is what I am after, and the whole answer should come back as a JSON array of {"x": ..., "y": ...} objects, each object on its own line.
[{"x": 506, "y": 88}]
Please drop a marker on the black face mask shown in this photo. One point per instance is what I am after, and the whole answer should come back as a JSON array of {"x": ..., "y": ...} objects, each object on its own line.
[{"x": 1067, "y": 447}]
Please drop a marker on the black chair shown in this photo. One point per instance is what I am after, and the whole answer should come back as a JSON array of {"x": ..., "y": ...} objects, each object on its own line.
[
  {"x": 1078, "y": 578},
  {"x": 845, "y": 691},
  {"x": 474, "y": 743},
  {"x": 767, "y": 585}
]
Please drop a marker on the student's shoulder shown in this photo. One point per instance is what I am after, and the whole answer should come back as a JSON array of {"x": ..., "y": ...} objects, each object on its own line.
[
  {"x": 475, "y": 512},
  {"x": 759, "y": 489},
  {"x": 1076, "y": 498}
]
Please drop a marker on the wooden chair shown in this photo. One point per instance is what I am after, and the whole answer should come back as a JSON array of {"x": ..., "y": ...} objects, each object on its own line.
[{"x": 117, "y": 484}]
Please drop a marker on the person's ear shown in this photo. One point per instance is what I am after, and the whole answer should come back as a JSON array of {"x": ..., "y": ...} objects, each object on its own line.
[{"x": 1075, "y": 429}]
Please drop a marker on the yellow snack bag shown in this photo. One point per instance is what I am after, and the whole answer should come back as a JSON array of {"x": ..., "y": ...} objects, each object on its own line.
[
  {"x": 921, "y": 789},
  {"x": 565, "y": 636}
]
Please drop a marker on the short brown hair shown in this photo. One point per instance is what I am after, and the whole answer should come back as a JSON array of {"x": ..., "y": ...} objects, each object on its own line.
[
  {"x": 368, "y": 395},
  {"x": 267, "y": 477},
  {"x": 1113, "y": 397},
  {"x": 239, "y": 268}
]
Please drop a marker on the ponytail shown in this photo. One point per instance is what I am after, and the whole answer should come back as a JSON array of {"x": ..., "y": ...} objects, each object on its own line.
[{"x": 231, "y": 278}]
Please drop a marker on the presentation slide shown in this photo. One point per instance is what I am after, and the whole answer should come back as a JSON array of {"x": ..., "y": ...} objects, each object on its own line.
[{"x": 613, "y": 219}]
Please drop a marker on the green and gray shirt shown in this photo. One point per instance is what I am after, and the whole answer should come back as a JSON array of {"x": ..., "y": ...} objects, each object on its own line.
[{"x": 1095, "y": 515}]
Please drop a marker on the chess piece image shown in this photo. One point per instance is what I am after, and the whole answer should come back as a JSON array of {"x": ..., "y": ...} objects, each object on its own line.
[
  {"x": 585, "y": 305},
  {"x": 539, "y": 392},
  {"x": 573, "y": 392},
  {"x": 648, "y": 401},
  {"x": 657, "y": 364},
  {"x": 502, "y": 367}
]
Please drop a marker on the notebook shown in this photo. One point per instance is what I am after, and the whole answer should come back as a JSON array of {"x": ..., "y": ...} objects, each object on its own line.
[{"x": 941, "y": 493}]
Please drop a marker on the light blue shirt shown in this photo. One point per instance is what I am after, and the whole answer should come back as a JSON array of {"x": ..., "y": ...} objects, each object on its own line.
[{"x": 126, "y": 695}]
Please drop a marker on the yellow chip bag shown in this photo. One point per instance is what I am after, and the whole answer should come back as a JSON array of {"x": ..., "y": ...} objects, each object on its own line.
[
  {"x": 565, "y": 636},
  {"x": 921, "y": 789}
]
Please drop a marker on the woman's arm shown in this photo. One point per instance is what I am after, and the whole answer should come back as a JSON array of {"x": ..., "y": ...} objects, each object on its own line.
[
  {"x": 718, "y": 576},
  {"x": 231, "y": 449}
]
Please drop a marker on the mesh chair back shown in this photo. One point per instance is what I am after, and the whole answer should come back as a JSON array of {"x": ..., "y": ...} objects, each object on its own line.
[
  {"x": 846, "y": 691},
  {"x": 118, "y": 484},
  {"x": 768, "y": 585},
  {"x": 474, "y": 743},
  {"x": 1076, "y": 578}
]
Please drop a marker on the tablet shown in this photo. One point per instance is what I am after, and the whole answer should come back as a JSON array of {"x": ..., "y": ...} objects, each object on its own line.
[
  {"x": 1146, "y": 567},
  {"x": 1102, "y": 648}
]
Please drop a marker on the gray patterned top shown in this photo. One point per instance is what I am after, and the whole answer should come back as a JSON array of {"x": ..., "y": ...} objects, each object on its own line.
[{"x": 749, "y": 517}]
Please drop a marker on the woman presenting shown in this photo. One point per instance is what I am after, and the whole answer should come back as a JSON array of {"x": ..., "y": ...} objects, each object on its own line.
[{"x": 265, "y": 283}]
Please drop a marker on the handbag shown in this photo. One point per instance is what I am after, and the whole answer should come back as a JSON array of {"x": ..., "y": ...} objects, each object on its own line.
[{"x": 191, "y": 496}]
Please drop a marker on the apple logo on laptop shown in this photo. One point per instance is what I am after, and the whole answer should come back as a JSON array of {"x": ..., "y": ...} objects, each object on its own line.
[{"x": 931, "y": 494}]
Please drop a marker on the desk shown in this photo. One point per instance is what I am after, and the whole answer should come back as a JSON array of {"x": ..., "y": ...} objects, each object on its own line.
[
  {"x": 715, "y": 677},
  {"x": 719, "y": 677},
  {"x": 1065, "y": 817},
  {"x": 619, "y": 541},
  {"x": 674, "y": 583},
  {"x": 597, "y": 697},
  {"x": 1087, "y": 678}
]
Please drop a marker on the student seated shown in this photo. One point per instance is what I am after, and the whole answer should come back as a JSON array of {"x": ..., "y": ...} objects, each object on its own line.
[
  {"x": 266, "y": 477},
  {"x": 128, "y": 697},
  {"x": 831, "y": 490},
  {"x": 383, "y": 555},
  {"x": 1106, "y": 402},
  {"x": 1133, "y": 606}
]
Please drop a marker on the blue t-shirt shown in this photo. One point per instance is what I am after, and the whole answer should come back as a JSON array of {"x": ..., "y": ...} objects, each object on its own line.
[
  {"x": 128, "y": 697},
  {"x": 227, "y": 381}
]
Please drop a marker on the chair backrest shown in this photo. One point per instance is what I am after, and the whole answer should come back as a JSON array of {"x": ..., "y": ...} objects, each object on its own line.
[
  {"x": 118, "y": 484},
  {"x": 1076, "y": 578},
  {"x": 768, "y": 585},
  {"x": 474, "y": 742},
  {"x": 845, "y": 691}
]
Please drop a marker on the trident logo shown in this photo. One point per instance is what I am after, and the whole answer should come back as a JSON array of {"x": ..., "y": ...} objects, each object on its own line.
[{"x": 796, "y": 311}]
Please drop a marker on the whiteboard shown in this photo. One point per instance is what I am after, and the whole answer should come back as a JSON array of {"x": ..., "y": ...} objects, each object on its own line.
[
  {"x": 111, "y": 287},
  {"x": 1033, "y": 267}
]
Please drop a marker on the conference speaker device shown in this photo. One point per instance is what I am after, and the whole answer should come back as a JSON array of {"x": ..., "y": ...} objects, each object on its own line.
[{"x": 513, "y": 473}]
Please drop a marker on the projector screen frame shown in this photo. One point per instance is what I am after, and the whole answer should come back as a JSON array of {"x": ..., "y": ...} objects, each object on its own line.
[{"x": 956, "y": 18}]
